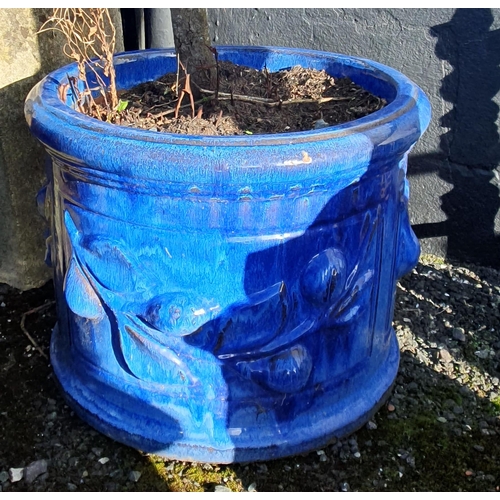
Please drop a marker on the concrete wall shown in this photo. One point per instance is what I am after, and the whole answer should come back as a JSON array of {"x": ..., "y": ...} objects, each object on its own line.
[
  {"x": 454, "y": 56},
  {"x": 25, "y": 58}
]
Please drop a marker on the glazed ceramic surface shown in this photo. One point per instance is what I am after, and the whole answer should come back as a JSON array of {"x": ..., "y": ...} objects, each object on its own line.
[{"x": 226, "y": 299}]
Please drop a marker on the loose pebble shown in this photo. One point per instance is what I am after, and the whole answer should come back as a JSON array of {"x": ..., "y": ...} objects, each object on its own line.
[
  {"x": 445, "y": 356},
  {"x": 222, "y": 489},
  {"x": 459, "y": 334},
  {"x": 484, "y": 354},
  {"x": 16, "y": 474},
  {"x": 35, "y": 469},
  {"x": 134, "y": 476}
]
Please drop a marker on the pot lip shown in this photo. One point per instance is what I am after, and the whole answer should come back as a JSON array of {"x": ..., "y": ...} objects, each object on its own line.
[{"x": 407, "y": 97}]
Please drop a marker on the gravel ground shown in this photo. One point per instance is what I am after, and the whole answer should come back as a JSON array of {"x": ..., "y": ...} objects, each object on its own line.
[{"x": 439, "y": 431}]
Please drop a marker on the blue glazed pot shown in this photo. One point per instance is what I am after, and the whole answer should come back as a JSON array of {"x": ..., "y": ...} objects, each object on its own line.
[{"x": 228, "y": 299}]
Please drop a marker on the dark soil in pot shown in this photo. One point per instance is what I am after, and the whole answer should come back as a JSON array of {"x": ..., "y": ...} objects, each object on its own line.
[{"x": 247, "y": 101}]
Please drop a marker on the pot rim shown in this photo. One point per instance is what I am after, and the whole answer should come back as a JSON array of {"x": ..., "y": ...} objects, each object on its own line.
[{"x": 407, "y": 96}]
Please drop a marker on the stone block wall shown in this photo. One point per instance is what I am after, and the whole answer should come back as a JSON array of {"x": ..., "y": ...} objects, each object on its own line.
[{"x": 25, "y": 58}]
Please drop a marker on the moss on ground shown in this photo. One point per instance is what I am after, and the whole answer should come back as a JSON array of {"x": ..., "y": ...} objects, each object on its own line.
[
  {"x": 431, "y": 259},
  {"x": 414, "y": 452},
  {"x": 419, "y": 453},
  {"x": 495, "y": 403},
  {"x": 159, "y": 474}
]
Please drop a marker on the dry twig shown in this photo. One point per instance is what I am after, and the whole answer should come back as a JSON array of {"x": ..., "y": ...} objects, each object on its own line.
[
  {"x": 90, "y": 41},
  {"x": 23, "y": 328},
  {"x": 172, "y": 111},
  {"x": 185, "y": 90},
  {"x": 272, "y": 102}
]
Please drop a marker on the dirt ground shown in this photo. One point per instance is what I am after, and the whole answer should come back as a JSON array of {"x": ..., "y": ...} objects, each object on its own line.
[{"x": 439, "y": 431}]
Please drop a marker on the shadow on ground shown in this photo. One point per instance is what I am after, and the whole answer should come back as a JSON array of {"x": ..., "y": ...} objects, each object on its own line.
[{"x": 438, "y": 432}]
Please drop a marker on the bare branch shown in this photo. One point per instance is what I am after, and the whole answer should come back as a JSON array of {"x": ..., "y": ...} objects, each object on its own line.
[{"x": 90, "y": 41}]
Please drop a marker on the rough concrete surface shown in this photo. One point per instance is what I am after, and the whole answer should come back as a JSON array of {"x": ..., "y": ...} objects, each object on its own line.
[
  {"x": 25, "y": 58},
  {"x": 453, "y": 55}
]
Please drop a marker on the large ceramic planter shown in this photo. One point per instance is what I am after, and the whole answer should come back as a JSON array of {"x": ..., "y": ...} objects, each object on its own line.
[{"x": 228, "y": 299}]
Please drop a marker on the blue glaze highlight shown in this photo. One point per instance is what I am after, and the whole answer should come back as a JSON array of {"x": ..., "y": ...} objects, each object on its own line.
[{"x": 228, "y": 299}]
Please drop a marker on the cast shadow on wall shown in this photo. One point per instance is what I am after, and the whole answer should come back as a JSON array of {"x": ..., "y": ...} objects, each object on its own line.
[{"x": 470, "y": 148}]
